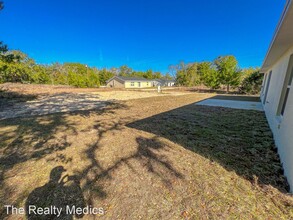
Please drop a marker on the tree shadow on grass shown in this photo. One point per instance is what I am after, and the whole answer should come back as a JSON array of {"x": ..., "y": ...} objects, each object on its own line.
[
  {"x": 33, "y": 138},
  {"x": 8, "y": 99},
  {"x": 239, "y": 140},
  {"x": 146, "y": 154},
  {"x": 23, "y": 106},
  {"x": 37, "y": 137}
]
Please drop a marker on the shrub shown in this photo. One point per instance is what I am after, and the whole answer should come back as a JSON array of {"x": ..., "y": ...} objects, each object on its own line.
[{"x": 251, "y": 84}]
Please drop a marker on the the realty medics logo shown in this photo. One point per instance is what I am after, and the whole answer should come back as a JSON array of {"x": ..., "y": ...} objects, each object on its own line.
[{"x": 33, "y": 210}]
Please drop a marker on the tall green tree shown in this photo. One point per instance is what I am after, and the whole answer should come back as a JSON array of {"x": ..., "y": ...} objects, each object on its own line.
[
  {"x": 167, "y": 76},
  {"x": 3, "y": 50},
  {"x": 209, "y": 75},
  {"x": 157, "y": 75},
  {"x": 104, "y": 75},
  {"x": 229, "y": 72},
  {"x": 181, "y": 74},
  {"x": 193, "y": 76},
  {"x": 15, "y": 66},
  {"x": 80, "y": 75},
  {"x": 148, "y": 74},
  {"x": 187, "y": 74},
  {"x": 137, "y": 74},
  {"x": 125, "y": 70},
  {"x": 8, "y": 56}
]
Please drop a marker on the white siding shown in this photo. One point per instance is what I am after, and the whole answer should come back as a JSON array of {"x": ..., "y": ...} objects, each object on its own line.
[{"x": 282, "y": 128}]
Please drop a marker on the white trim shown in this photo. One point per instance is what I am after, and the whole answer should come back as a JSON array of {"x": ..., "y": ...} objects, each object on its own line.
[{"x": 287, "y": 6}]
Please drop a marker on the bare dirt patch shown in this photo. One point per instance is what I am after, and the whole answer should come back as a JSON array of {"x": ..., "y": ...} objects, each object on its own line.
[
  {"x": 19, "y": 100},
  {"x": 106, "y": 93}
]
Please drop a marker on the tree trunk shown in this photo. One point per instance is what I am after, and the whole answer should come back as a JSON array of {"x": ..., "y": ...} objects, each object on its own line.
[{"x": 228, "y": 88}]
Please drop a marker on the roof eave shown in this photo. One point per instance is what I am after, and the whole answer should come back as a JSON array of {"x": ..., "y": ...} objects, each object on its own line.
[{"x": 265, "y": 65}]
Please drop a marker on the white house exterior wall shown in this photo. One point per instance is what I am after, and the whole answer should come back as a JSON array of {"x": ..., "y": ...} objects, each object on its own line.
[{"x": 282, "y": 128}]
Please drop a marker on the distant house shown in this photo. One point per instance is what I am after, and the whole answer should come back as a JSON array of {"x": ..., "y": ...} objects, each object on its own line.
[
  {"x": 129, "y": 82},
  {"x": 137, "y": 82},
  {"x": 276, "y": 94},
  {"x": 164, "y": 82}
]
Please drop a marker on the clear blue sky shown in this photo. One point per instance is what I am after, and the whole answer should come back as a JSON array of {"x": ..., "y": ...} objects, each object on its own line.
[{"x": 140, "y": 33}]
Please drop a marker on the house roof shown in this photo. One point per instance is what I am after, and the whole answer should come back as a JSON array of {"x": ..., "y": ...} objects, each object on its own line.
[
  {"x": 134, "y": 78},
  {"x": 124, "y": 79},
  {"x": 163, "y": 81},
  {"x": 138, "y": 79},
  {"x": 169, "y": 80},
  {"x": 282, "y": 39}
]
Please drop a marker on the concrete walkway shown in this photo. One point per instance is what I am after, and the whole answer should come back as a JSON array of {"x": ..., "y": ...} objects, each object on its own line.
[{"x": 248, "y": 105}]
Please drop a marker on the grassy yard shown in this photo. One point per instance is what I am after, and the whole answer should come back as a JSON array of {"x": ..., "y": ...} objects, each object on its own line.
[{"x": 152, "y": 158}]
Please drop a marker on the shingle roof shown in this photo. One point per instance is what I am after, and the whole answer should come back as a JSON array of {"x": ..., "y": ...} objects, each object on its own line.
[
  {"x": 124, "y": 78},
  {"x": 139, "y": 79},
  {"x": 163, "y": 81}
]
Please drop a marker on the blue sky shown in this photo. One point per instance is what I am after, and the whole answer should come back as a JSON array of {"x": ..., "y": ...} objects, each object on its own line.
[{"x": 144, "y": 34}]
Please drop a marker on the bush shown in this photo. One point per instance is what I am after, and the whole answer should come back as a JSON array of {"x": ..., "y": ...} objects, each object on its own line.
[
  {"x": 251, "y": 84},
  {"x": 14, "y": 72}
]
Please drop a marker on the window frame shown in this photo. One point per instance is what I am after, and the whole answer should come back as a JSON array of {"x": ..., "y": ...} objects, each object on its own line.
[
  {"x": 286, "y": 89},
  {"x": 267, "y": 86},
  {"x": 264, "y": 84}
]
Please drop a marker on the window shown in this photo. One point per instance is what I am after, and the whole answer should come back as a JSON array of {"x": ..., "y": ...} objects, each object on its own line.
[
  {"x": 285, "y": 101},
  {"x": 267, "y": 87},
  {"x": 263, "y": 84},
  {"x": 132, "y": 84},
  {"x": 286, "y": 89}
]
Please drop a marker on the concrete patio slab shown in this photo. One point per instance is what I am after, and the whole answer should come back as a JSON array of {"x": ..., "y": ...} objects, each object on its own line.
[{"x": 248, "y": 105}]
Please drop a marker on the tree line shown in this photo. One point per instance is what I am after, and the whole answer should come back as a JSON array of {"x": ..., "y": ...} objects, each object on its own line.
[
  {"x": 223, "y": 71},
  {"x": 16, "y": 66}
]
